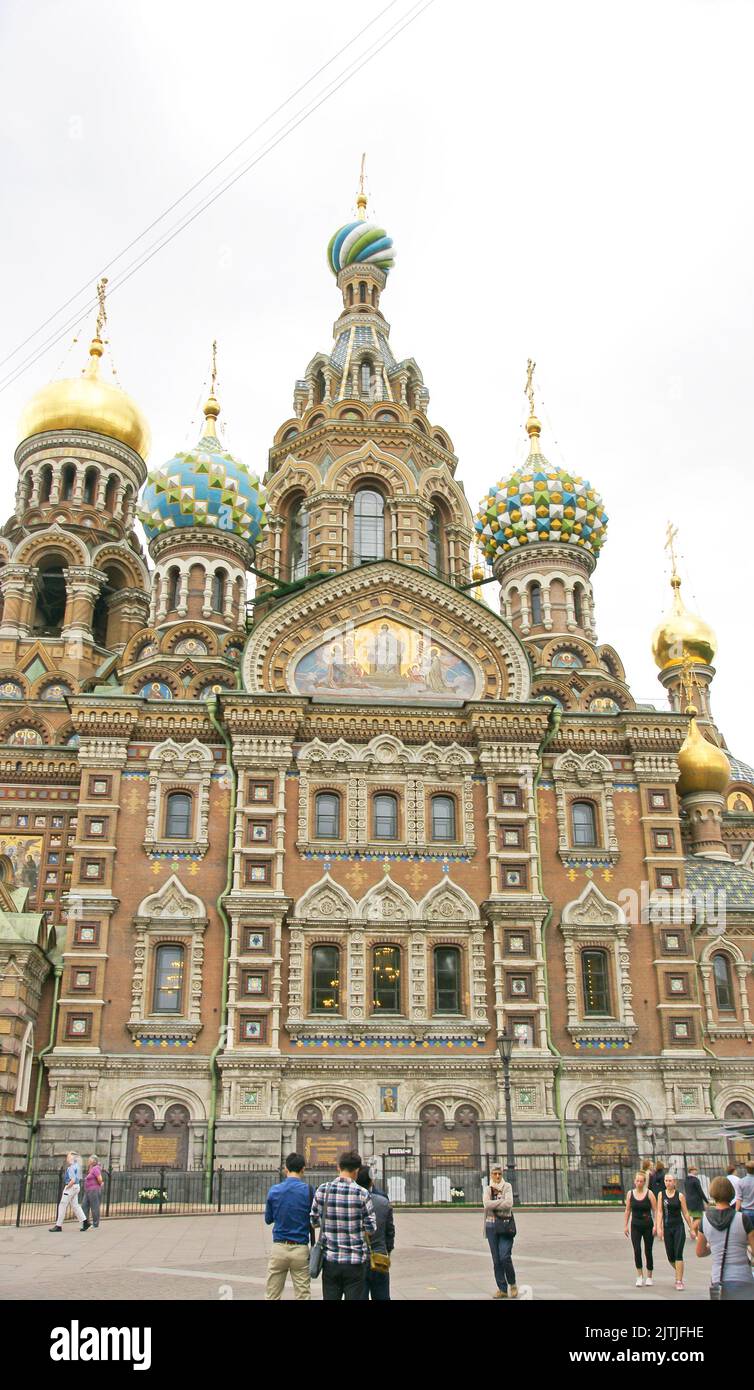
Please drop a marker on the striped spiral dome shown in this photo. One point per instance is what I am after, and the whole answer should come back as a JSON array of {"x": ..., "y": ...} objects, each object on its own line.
[{"x": 360, "y": 243}]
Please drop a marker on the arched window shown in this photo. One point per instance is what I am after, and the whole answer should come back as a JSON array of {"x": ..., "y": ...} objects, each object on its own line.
[
  {"x": 723, "y": 983},
  {"x": 443, "y": 818},
  {"x": 362, "y": 292},
  {"x": 434, "y": 540},
  {"x": 320, "y": 387},
  {"x": 369, "y": 524},
  {"x": 174, "y": 579},
  {"x": 111, "y": 493},
  {"x": 447, "y": 980},
  {"x": 298, "y": 524},
  {"x": 49, "y": 610},
  {"x": 67, "y": 482},
  {"x": 45, "y": 486},
  {"x": 91, "y": 478},
  {"x": 386, "y": 816},
  {"x": 535, "y": 602},
  {"x": 578, "y": 607},
  {"x": 595, "y": 979},
  {"x": 367, "y": 378},
  {"x": 178, "y": 816},
  {"x": 168, "y": 979},
  {"x": 386, "y": 979},
  {"x": 325, "y": 979},
  {"x": 327, "y": 815},
  {"x": 218, "y": 591},
  {"x": 350, "y": 294},
  {"x": 583, "y": 824}
]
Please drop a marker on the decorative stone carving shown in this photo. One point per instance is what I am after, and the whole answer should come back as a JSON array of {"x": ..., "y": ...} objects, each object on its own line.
[
  {"x": 591, "y": 775},
  {"x": 593, "y": 920},
  {"x": 172, "y": 914}
]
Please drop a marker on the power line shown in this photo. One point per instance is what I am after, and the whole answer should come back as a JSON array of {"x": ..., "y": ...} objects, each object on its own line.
[
  {"x": 199, "y": 182},
  {"x": 345, "y": 76}
]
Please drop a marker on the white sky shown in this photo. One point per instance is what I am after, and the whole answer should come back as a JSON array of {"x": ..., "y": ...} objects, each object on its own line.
[{"x": 568, "y": 181}]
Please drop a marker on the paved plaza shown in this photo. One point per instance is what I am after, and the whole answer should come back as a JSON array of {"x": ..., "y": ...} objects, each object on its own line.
[{"x": 440, "y": 1255}]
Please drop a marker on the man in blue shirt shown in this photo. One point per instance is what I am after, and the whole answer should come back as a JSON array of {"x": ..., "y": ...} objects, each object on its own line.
[{"x": 287, "y": 1211}]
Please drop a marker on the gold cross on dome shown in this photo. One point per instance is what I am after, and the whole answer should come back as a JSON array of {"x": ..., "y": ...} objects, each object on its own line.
[
  {"x": 102, "y": 311},
  {"x": 529, "y": 388},
  {"x": 670, "y": 535},
  {"x": 214, "y": 367}
]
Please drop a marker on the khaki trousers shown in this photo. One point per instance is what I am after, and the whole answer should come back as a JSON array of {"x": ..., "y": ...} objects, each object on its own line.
[{"x": 285, "y": 1258}]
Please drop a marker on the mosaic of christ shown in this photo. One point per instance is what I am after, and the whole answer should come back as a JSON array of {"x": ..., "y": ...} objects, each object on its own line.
[{"x": 388, "y": 660}]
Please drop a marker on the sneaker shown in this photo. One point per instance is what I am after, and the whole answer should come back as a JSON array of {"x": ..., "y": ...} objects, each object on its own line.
[
  {"x": 55, "y": 1228},
  {"x": 639, "y": 1282},
  {"x": 648, "y": 1281},
  {"x": 85, "y": 1226},
  {"x": 513, "y": 1290},
  {"x": 501, "y": 1293},
  {"x": 680, "y": 1284}
]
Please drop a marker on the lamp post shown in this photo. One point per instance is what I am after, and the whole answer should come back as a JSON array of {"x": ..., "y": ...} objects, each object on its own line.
[{"x": 505, "y": 1048}]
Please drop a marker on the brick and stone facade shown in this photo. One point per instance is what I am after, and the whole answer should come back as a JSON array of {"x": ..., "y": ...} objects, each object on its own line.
[{"x": 289, "y": 876}]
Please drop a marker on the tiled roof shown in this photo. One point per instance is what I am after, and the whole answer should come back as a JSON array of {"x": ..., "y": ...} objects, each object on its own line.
[
  {"x": 712, "y": 876},
  {"x": 740, "y": 772}
]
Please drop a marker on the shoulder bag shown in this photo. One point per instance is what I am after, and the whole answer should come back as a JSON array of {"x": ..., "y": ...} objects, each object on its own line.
[
  {"x": 317, "y": 1252},
  {"x": 505, "y": 1225},
  {"x": 716, "y": 1290}
]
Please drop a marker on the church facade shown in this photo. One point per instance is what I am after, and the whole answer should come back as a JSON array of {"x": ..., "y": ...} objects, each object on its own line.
[{"x": 282, "y": 873}]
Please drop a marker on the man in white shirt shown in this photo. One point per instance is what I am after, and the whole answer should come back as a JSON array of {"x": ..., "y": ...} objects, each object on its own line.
[{"x": 70, "y": 1194}]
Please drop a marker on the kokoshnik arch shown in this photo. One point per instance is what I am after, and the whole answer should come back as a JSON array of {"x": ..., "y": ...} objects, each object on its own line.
[{"x": 286, "y": 877}]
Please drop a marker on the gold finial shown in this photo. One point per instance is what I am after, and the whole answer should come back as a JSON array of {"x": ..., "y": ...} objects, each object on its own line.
[
  {"x": 97, "y": 347},
  {"x": 102, "y": 312},
  {"x": 670, "y": 535},
  {"x": 689, "y": 677},
  {"x": 361, "y": 197},
  {"x": 533, "y": 427},
  {"x": 212, "y": 406}
]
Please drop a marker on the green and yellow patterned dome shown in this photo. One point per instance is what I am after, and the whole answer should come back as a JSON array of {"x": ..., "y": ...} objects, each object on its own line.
[{"x": 538, "y": 504}]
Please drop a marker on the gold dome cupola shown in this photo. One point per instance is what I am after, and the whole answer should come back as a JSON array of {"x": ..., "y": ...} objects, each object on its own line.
[{"x": 86, "y": 402}]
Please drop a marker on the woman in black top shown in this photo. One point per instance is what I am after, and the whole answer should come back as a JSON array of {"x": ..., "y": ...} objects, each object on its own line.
[
  {"x": 641, "y": 1211},
  {"x": 672, "y": 1213}
]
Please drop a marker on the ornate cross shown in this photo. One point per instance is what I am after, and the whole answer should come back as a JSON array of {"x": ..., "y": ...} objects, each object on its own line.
[
  {"x": 670, "y": 535},
  {"x": 102, "y": 312},
  {"x": 529, "y": 388}
]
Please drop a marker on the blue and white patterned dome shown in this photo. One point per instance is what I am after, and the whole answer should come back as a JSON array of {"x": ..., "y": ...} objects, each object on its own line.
[
  {"x": 206, "y": 486},
  {"x": 360, "y": 243}
]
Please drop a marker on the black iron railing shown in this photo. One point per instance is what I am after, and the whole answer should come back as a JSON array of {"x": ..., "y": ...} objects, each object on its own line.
[{"x": 415, "y": 1180}]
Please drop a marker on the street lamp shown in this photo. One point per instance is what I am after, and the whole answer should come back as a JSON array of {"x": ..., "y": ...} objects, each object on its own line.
[{"x": 505, "y": 1048}]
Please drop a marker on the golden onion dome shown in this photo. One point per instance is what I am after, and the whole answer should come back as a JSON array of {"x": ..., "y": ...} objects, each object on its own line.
[
  {"x": 87, "y": 403},
  {"x": 703, "y": 766},
  {"x": 682, "y": 636}
]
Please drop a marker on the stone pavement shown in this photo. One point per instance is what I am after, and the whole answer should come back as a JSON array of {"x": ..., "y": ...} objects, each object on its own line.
[{"x": 441, "y": 1255}]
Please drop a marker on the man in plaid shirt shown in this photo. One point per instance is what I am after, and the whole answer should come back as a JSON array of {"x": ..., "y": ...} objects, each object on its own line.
[{"x": 350, "y": 1217}]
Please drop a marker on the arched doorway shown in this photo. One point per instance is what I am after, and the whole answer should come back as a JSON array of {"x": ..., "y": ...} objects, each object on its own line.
[
  {"x": 450, "y": 1157},
  {"x": 322, "y": 1146},
  {"x": 158, "y": 1144},
  {"x": 741, "y": 1145}
]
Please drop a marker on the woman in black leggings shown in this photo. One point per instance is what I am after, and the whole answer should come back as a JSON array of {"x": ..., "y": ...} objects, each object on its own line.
[
  {"x": 672, "y": 1212},
  {"x": 641, "y": 1211}
]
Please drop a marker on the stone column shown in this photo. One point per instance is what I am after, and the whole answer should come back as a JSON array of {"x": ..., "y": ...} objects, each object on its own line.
[
  {"x": 83, "y": 586},
  {"x": 18, "y": 585}
]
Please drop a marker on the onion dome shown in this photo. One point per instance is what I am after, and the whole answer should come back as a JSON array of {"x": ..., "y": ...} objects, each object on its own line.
[
  {"x": 87, "y": 403},
  {"x": 682, "y": 637},
  {"x": 540, "y": 503},
  {"x": 703, "y": 766},
  {"x": 360, "y": 243},
  {"x": 206, "y": 486}
]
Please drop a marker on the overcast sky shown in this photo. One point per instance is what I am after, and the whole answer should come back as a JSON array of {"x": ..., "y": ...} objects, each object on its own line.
[{"x": 567, "y": 181}]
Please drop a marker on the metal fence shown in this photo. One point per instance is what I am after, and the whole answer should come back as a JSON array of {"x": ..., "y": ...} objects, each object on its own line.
[{"x": 548, "y": 1180}]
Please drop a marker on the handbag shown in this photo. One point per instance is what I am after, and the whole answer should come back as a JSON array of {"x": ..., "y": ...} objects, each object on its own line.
[
  {"x": 377, "y": 1261},
  {"x": 505, "y": 1225},
  {"x": 317, "y": 1252},
  {"x": 716, "y": 1290}
]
